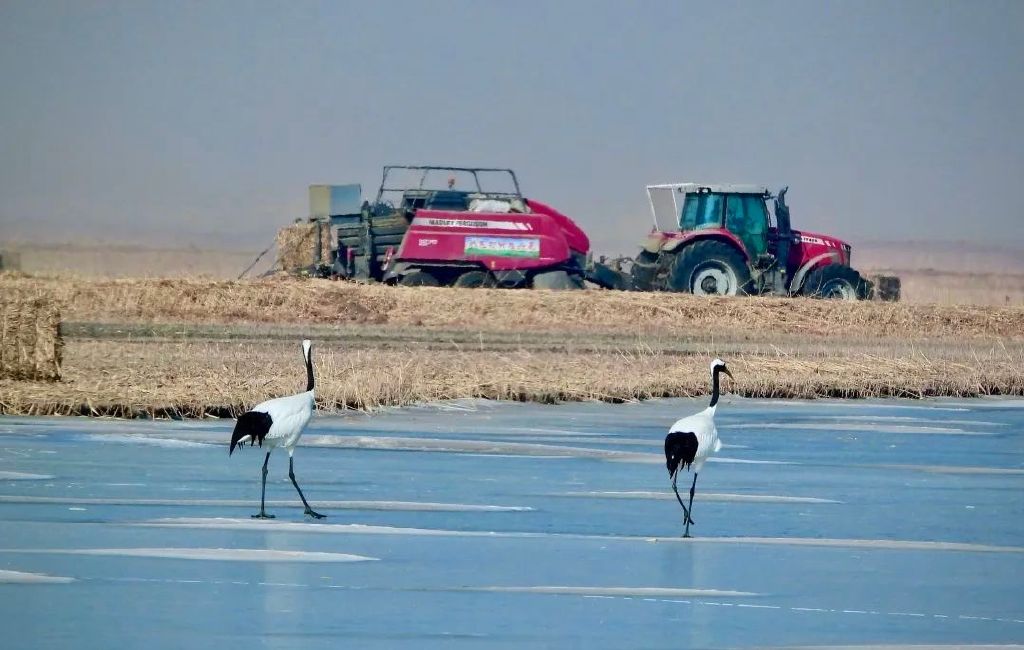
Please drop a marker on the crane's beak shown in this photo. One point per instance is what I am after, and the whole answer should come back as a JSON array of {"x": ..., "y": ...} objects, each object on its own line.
[{"x": 726, "y": 371}]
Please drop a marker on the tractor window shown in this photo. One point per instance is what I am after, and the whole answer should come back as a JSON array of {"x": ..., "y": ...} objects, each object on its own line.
[
  {"x": 747, "y": 218},
  {"x": 702, "y": 210}
]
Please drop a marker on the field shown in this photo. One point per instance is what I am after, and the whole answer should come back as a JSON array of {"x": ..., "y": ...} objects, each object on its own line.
[
  {"x": 188, "y": 347},
  {"x": 931, "y": 273}
]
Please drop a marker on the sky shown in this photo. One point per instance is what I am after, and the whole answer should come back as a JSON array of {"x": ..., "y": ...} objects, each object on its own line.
[{"x": 202, "y": 123}]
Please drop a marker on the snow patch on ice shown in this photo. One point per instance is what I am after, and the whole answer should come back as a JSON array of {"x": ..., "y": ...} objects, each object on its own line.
[
  {"x": 24, "y": 476},
  {"x": 128, "y": 438},
  {"x": 410, "y": 506},
  {"x": 219, "y": 554},
  {"x": 18, "y": 577},
  {"x": 364, "y": 529},
  {"x": 652, "y": 592}
]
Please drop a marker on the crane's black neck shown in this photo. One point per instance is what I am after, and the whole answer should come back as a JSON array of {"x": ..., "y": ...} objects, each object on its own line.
[
  {"x": 714, "y": 385},
  {"x": 309, "y": 369}
]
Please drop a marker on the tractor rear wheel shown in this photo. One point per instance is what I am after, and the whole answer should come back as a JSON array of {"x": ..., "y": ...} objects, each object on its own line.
[
  {"x": 418, "y": 279},
  {"x": 709, "y": 268},
  {"x": 836, "y": 282},
  {"x": 475, "y": 280}
]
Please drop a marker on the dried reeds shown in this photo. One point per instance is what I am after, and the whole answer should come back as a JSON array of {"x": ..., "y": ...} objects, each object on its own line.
[
  {"x": 206, "y": 378},
  {"x": 301, "y": 246},
  {"x": 30, "y": 338},
  {"x": 289, "y": 300}
]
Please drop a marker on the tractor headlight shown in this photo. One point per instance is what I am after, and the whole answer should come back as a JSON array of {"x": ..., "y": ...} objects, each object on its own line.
[{"x": 849, "y": 254}]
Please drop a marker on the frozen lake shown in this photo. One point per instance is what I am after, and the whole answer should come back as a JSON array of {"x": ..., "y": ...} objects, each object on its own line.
[{"x": 514, "y": 525}]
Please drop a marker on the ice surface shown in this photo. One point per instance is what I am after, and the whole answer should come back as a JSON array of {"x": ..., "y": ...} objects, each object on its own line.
[
  {"x": 507, "y": 525},
  {"x": 704, "y": 496}
]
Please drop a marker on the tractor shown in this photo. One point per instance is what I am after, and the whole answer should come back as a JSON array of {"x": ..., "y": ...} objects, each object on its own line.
[
  {"x": 458, "y": 226},
  {"x": 722, "y": 240}
]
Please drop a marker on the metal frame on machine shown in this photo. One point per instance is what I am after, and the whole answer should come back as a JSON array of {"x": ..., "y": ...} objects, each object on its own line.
[{"x": 426, "y": 169}]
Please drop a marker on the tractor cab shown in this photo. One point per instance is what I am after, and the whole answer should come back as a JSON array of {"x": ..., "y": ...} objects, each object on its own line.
[
  {"x": 725, "y": 239},
  {"x": 740, "y": 211}
]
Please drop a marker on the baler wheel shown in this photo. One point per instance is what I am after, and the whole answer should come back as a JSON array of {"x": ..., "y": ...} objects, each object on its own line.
[
  {"x": 475, "y": 280},
  {"x": 418, "y": 279}
]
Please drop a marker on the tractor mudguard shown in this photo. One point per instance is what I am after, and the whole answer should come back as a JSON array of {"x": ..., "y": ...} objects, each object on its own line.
[
  {"x": 654, "y": 243},
  {"x": 801, "y": 273},
  {"x": 673, "y": 244}
]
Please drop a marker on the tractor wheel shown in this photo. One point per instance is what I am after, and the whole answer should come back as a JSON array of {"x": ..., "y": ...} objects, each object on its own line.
[
  {"x": 475, "y": 280},
  {"x": 645, "y": 267},
  {"x": 836, "y": 282},
  {"x": 418, "y": 279},
  {"x": 709, "y": 268}
]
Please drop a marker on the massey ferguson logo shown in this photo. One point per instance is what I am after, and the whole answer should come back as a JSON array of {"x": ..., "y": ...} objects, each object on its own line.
[
  {"x": 816, "y": 240},
  {"x": 474, "y": 224},
  {"x": 456, "y": 223}
]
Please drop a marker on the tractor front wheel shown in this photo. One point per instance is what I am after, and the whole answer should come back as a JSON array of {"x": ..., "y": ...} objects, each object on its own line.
[
  {"x": 709, "y": 268},
  {"x": 836, "y": 282}
]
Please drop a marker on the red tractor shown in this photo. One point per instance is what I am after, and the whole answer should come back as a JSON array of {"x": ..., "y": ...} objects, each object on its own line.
[
  {"x": 459, "y": 226},
  {"x": 722, "y": 240}
]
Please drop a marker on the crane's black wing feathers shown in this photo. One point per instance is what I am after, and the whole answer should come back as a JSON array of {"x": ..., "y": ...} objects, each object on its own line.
[
  {"x": 680, "y": 448},
  {"x": 253, "y": 424}
]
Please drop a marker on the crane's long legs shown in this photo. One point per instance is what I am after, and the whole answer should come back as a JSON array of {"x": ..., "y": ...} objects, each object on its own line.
[
  {"x": 686, "y": 511},
  {"x": 686, "y": 533},
  {"x": 263, "y": 493},
  {"x": 309, "y": 511}
]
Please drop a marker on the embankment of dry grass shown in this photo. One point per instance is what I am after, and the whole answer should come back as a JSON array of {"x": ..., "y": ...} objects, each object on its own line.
[
  {"x": 202, "y": 378},
  {"x": 191, "y": 348},
  {"x": 341, "y": 303}
]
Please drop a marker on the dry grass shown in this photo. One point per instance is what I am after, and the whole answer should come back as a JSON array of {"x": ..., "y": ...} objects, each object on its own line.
[
  {"x": 341, "y": 303},
  {"x": 162, "y": 347},
  {"x": 30, "y": 337},
  {"x": 201, "y": 378}
]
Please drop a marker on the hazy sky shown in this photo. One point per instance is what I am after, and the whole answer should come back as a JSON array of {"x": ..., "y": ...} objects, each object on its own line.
[{"x": 203, "y": 123}]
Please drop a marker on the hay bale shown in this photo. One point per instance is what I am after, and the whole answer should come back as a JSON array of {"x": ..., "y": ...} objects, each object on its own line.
[
  {"x": 31, "y": 344},
  {"x": 302, "y": 246}
]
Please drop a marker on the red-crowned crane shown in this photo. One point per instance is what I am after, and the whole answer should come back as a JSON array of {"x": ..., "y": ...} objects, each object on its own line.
[
  {"x": 692, "y": 440},
  {"x": 279, "y": 422}
]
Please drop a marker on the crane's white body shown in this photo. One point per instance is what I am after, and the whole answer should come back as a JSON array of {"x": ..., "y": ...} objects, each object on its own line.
[
  {"x": 290, "y": 416},
  {"x": 701, "y": 425}
]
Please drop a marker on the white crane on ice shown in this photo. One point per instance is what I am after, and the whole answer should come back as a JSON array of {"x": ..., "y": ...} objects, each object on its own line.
[
  {"x": 279, "y": 422},
  {"x": 692, "y": 440}
]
